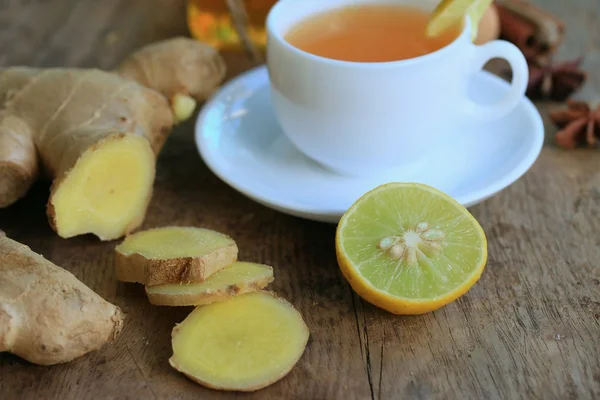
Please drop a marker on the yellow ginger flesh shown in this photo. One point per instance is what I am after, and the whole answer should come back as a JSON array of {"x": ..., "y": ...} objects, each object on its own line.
[
  {"x": 108, "y": 189},
  {"x": 183, "y": 107},
  {"x": 174, "y": 242},
  {"x": 237, "y": 279},
  {"x": 242, "y": 344}
]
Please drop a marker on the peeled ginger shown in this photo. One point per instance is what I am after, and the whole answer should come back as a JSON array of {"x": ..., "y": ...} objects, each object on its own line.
[
  {"x": 244, "y": 344},
  {"x": 173, "y": 254},
  {"x": 237, "y": 279}
]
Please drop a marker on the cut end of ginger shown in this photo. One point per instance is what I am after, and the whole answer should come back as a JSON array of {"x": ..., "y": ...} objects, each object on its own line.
[
  {"x": 243, "y": 344},
  {"x": 183, "y": 107},
  {"x": 238, "y": 279},
  {"x": 107, "y": 192},
  {"x": 173, "y": 254}
]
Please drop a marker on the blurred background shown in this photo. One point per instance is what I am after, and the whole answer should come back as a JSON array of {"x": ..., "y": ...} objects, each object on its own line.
[{"x": 49, "y": 33}]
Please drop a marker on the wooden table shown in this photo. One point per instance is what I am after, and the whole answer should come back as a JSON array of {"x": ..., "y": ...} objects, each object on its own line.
[{"x": 529, "y": 329}]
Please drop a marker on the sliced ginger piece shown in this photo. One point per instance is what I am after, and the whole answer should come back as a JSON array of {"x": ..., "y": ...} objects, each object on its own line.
[
  {"x": 237, "y": 279},
  {"x": 173, "y": 254},
  {"x": 245, "y": 343},
  {"x": 107, "y": 191}
]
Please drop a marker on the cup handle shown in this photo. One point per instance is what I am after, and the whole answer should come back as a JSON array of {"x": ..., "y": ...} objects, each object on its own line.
[{"x": 520, "y": 76}]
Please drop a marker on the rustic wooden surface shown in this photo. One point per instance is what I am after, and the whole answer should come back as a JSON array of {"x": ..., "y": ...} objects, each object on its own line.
[{"x": 529, "y": 329}]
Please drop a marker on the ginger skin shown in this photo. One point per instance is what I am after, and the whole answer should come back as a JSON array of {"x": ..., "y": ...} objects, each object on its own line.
[
  {"x": 237, "y": 279},
  {"x": 180, "y": 66},
  {"x": 47, "y": 316},
  {"x": 97, "y": 134}
]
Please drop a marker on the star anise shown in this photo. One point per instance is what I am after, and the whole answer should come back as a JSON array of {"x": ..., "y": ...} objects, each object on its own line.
[
  {"x": 556, "y": 82},
  {"x": 578, "y": 124}
]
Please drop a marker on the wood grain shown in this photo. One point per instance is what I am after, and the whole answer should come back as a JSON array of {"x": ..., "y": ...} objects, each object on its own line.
[{"x": 529, "y": 329}]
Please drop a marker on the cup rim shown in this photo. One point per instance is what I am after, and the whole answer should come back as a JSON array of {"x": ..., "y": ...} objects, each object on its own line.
[{"x": 272, "y": 33}]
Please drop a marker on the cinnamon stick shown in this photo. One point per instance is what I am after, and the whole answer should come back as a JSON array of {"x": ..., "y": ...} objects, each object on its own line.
[
  {"x": 518, "y": 31},
  {"x": 536, "y": 32}
]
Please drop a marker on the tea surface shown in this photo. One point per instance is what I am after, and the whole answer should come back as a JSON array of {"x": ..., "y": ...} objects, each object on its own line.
[{"x": 368, "y": 33}]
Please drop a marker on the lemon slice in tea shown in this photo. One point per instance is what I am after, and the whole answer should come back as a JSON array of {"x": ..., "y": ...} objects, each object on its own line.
[
  {"x": 449, "y": 13},
  {"x": 409, "y": 248}
]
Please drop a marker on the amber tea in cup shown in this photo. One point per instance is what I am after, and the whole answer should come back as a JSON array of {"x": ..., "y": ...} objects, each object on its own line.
[
  {"x": 368, "y": 33},
  {"x": 358, "y": 87}
]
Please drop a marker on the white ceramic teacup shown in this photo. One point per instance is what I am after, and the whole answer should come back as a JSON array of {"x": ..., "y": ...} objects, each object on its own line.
[{"x": 365, "y": 118}]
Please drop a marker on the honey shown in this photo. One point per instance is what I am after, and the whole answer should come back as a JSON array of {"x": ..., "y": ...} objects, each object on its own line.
[{"x": 211, "y": 21}]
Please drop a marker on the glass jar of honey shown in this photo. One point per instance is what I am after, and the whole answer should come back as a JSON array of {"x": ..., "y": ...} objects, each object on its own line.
[{"x": 212, "y": 22}]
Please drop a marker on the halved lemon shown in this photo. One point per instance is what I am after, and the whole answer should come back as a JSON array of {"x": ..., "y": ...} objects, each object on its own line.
[
  {"x": 449, "y": 13},
  {"x": 409, "y": 248}
]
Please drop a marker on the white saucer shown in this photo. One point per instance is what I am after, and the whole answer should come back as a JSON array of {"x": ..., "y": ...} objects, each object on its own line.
[{"x": 241, "y": 142}]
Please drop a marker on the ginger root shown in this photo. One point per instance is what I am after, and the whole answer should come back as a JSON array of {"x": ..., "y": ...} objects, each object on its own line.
[
  {"x": 181, "y": 66},
  {"x": 97, "y": 134},
  {"x": 47, "y": 316},
  {"x": 237, "y": 279},
  {"x": 173, "y": 254},
  {"x": 244, "y": 344}
]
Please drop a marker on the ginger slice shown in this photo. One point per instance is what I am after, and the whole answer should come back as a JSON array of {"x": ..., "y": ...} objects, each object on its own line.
[
  {"x": 244, "y": 344},
  {"x": 48, "y": 316},
  {"x": 237, "y": 279},
  {"x": 173, "y": 254},
  {"x": 107, "y": 191}
]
